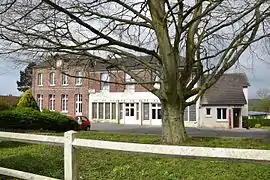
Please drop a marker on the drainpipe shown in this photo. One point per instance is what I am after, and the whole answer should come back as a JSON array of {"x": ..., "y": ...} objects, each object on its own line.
[{"x": 230, "y": 119}]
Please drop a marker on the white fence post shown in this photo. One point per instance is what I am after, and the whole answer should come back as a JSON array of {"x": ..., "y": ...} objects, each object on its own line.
[{"x": 70, "y": 166}]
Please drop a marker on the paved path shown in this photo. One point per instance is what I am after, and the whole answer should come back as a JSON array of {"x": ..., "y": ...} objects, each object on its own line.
[{"x": 197, "y": 132}]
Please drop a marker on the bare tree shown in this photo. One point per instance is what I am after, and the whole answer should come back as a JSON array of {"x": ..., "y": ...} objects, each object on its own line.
[{"x": 211, "y": 35}]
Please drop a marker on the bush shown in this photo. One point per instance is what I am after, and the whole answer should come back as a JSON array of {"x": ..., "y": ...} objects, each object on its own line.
[
  {"x": 245, "y": 122},
  {"x": 258, "y": 125},
  {"x": 262, "y": 122},
  {"x": 4, "y": 105},
  {"x": 27, "y": 101},
  {"x": 29, "y": 119}
]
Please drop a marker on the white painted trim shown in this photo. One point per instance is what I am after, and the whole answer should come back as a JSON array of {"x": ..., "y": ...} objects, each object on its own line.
[
  {"x": 23, "y": 175},
  {"x": 231, "y": 153}
]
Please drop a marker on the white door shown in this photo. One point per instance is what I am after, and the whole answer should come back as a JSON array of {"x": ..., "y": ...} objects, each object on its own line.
[
  {"x": 130, "y": 114},
  {"x": 156, "y": 114}
]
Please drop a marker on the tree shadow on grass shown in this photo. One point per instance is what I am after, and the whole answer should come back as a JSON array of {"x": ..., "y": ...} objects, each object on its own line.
[
  {"x": 9, "y": 144},
  {"x": 41, "y": 164}
]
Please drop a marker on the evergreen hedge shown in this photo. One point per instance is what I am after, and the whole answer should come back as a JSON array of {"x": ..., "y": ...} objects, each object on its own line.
[{"x": 30, "y": 119}]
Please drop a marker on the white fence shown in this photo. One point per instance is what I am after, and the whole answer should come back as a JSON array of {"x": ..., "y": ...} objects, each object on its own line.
[{"x": 70, "y": 142}]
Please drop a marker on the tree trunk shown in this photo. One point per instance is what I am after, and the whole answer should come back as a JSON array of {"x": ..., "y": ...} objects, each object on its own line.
[{"x": 173, "y": 129}]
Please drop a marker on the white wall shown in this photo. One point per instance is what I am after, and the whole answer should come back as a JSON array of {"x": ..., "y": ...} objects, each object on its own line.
[{"x": 245, "y": 108}]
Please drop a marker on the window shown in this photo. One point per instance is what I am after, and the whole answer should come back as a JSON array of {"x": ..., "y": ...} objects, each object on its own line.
[
  {"x": 145, "y": 111},
  {"x": 100, "y": 110},
  {"x": 78, "y": 103},
  {"x": 113, "y": 110},
  {"x": 52, "y": 79},
  {"x": 121, "y": 110},
  {"x": 51, "y": 102},
  {"x": 221, "y": 114},
  {"x": 127, "y": 80},
  {"x": 78, "y": 80},
  {"x": 156, "y": 111},
  {"x": 107, "y": 111},
  {"x": 40, "y": 79},
  {"x": 104, "y": 77},
  {"x": 64, "y": 79},
  {"x": 137, "y": 111},
  {"x": 40, "y": 101},
  {"x": 64, "y": 103},
  {"x": 94, "y": 110},
  {"x": 208, "y": 111}
]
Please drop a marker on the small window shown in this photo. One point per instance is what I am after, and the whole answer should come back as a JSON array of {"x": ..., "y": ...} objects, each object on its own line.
[
  {"x": 208, "y": 111},
  {"x": 40, "y": 79},
  {"x": 105, "y": 78},
  {"x": 100, "y": 109},
  {"x": 52, "y": 79},
  {"x": 78, "y": 80},
  {"x": 145, "y": 111},
  {"x": 64, "y": 79},
  {"x": 94, "y": 110},
  {"x": 113, "y": 110}
]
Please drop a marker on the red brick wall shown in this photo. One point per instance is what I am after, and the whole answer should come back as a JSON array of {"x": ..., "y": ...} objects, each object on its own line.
[
  {"x": 117, "y": 76},
  {"x": 94, "y": 84},
  {"x": 71, "y": 90},
  {"x": 146, "y": 76}
]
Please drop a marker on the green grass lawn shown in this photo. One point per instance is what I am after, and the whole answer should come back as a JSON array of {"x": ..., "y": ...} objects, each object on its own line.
[{"x": 103, "y": 164}]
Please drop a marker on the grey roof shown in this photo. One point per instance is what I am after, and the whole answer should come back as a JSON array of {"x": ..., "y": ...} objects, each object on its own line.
[
  {"x": 94, "y": 64},
  {"x": 257, "y": 113},
  {"x": 228, "y": 90}
]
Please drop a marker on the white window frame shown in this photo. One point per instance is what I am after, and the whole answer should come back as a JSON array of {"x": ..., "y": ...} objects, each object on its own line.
[
  {"x": 78, "y": 80},
  {"x": 40, "y": 79},
  {"x": 64, "y": 103},
  {"x": 51, "y": 102},
  {"x": 52, "y": 79},
  {"x": 221, "y": 113},
  {"x": 129, "y": 87},
  {"x": 64, "y": 80},
  {"x": 40, "y": 101},
  {"x": 155, "y": 107},
  {"x": 78, "y": 104},
  {"x": 104, "y": 77}
]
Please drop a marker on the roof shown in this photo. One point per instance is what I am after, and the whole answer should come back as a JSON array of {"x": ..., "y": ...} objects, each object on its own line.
[
  {"x": 258, "y": 113},
  {"x": 93, "y": 64},
  {"x": 11, "y": 100},
  {"x": 228, "y": 90}
]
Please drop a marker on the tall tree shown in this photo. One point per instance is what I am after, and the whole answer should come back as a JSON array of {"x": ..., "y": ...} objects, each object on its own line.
[
  {"x": 210, "y": 34},
  {"x": 25, "y": 82}
]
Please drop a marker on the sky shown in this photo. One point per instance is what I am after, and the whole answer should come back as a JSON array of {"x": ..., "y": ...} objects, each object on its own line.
[{"x": 258, "y": 73}]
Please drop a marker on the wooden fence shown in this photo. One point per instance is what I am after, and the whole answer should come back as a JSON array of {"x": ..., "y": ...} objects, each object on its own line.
[{"x": 70, "y": 143}]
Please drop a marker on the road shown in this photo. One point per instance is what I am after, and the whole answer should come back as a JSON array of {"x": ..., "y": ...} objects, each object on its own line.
[{"x": 196, "y": 132}]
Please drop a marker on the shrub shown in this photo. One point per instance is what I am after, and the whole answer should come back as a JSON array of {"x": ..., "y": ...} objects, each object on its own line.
[
  {"x": 29, "y": 119},
  {"x": 262, "y": 122},
  {"x": 245, "y": 122},
  {"x": 27, "y": 101},
  {"x": 4, "y": 105},
  {"x": 258, "y": 125}
]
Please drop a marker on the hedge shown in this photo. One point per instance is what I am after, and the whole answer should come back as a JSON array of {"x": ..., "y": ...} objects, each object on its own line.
[
  {"x": 4, "y": 105},
  {"x": 252, "y": 122},
  {"x": 30, "y": 119}
]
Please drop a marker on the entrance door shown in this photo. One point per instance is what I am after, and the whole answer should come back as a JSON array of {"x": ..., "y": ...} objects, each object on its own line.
[
  {"x": 236, "y": 117},
  {"x": 130, "y": 115}
]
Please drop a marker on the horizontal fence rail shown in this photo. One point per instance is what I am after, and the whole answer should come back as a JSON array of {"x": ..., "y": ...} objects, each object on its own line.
[
  {"x": 70, "y": 142},
  {"x": 23, "y": 175}
]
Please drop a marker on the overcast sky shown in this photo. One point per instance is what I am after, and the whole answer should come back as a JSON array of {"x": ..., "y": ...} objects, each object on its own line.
[{"x": 258, "y": 73}]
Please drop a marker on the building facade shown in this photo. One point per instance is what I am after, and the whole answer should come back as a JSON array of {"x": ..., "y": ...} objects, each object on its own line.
[{"x": 133, "y": 104}]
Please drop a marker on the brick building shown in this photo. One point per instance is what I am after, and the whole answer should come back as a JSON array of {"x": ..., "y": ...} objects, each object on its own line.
[{"x": 131, "y": 103}]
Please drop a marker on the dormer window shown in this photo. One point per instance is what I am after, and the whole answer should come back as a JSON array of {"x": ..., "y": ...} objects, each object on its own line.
[
  {"x": 59, "y": 63},
  {"x": 104, "y": 77}
]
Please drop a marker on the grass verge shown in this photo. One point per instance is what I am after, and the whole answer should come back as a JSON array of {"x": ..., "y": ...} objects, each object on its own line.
[{"x": 103, "y": 164}]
